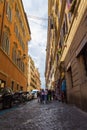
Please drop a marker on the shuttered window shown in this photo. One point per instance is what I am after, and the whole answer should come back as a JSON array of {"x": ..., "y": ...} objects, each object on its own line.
[{"x": 6, "y": 43}]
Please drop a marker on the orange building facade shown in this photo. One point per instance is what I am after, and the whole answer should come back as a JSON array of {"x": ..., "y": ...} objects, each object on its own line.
[{"x": 14, "y": 37}]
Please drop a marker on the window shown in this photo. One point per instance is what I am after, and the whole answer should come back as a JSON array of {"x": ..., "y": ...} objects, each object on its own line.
[
  {"x": 14, "y": 53},
  {"x": 73, "y": 5},
  {"x": 6, "y": 43},
  {"x": 21, "y": 88},
  {"x": 69, "y": 17},
  {"x": 23, "y": 31},
  {"x": 17, "y": 86},
  {"x": 23, "y": 46},
  {"x": 2, "y": 83},
  {"x": 66, "y": 24},
  {"x": 84, "y": 55},
  {"x": 17, "y": 11},
  {"x": 23, "y": 67},
  {"x": 18, "y": 58},
  {"x": 12, "y": 85},
  {"x": 16, "y": 30},
  {"x": 8, "y": 12},
  {"x": 51, "y": 22},
  {"x": 61, "y": 36},
  {"x": 64, "y": 30}
]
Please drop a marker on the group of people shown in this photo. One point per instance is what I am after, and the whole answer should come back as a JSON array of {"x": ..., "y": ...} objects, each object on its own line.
[
  {"x": 45, "y": 96},
  {"x": 59, "y": 93}
]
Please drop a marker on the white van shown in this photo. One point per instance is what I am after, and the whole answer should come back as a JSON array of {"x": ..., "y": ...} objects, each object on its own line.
[{"x": 34, "y": 92}]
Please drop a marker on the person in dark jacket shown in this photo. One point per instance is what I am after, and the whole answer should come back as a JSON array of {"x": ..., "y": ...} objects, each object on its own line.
[{"x": 63, "y": 90}]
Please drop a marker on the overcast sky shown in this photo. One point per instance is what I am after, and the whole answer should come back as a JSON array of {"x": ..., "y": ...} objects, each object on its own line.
[{"x": 37, "y": 12}]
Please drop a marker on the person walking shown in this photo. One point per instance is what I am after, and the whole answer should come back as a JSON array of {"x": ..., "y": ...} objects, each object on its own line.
[
  {"x": 45, "y": 95},
  {"x": 42, "y": 96},
  {"x": 49, "y": 95},
  {"x": 63, "y": 90},
  {"x": 39, "y": 96}
]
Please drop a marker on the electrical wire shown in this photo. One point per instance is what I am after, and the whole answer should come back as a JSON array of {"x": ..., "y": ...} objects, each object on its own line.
[
  {"x": 38, "y": 18},
  {"x": 39, "y": 24}
]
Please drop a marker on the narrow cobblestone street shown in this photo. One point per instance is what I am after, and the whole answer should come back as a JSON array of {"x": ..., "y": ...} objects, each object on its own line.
[{"x": 35, "y": 116}]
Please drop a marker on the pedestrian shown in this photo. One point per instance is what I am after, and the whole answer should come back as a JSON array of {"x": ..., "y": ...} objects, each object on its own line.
[
  {"x": 49, "y": 95},
  {"x": 42, "y": 96},
  {"x": 45, "y": 95},
  {"x": 59, "y": 90},
  {"x": 63, "y": 90},
  {"x": 38, "y": 96},
  {"x": 53, "y": 95}
]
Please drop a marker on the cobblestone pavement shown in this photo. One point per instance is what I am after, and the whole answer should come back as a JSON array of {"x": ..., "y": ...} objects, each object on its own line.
[{"x": 35, "y": 116}]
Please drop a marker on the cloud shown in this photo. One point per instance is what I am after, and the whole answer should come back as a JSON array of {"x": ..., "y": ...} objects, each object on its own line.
[{"x": 35, "y": 10}]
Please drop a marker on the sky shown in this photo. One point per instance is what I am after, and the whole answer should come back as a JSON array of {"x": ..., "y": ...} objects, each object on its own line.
[{"x": 37, "y": 14}]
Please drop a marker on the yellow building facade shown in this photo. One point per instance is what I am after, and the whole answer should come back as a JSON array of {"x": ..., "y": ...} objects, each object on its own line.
[
  {"x": 75, "y": 53},
  {"x": 33, "y": 76},
  {"x": 38, "y": 81},
  {"x": 14, "y": 37},
  {"x": 67, "y": 39},
  {"x": 56, "y": 10}
]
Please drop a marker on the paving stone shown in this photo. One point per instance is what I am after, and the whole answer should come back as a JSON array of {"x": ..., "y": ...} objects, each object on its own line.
[{"x": 35, "y": 116}]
